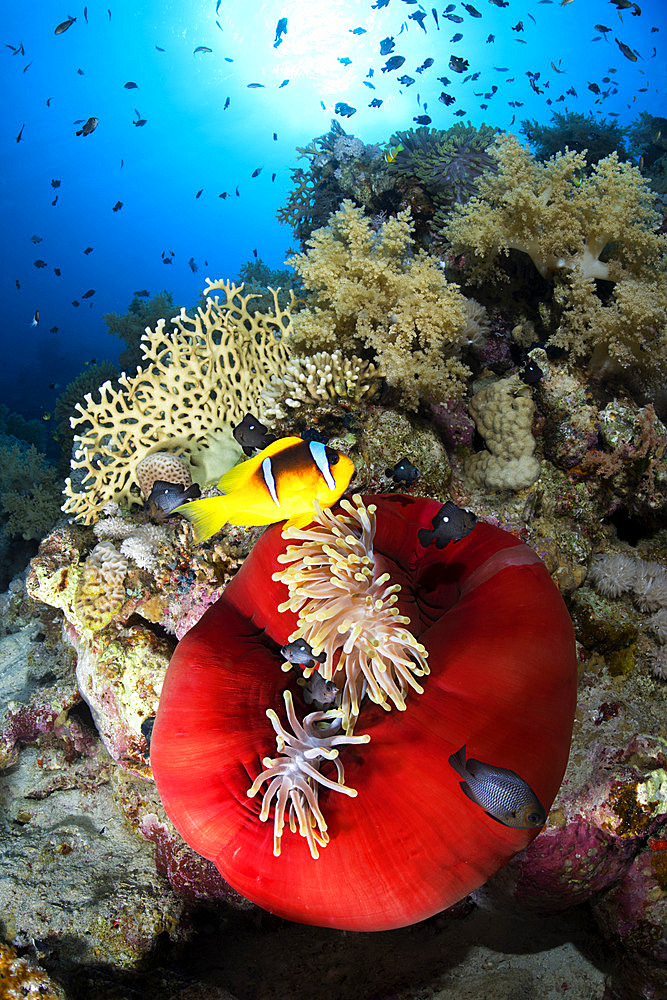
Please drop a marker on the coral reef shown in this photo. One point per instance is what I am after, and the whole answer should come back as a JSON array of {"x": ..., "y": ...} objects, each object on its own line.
[
  {"x": 215, "y": 364},
  {"x": 340, "y": 166},
  {"x": 503, "y": 413},
  {"x": 368, "y": 290}
]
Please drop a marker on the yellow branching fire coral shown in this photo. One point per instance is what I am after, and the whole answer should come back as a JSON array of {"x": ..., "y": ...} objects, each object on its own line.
[
  {"x": 577, "y": 230},
  {"x": 199, "y": 378},
  {"x": 370, "y": 290},
  {"x": 346, "y": 603}
]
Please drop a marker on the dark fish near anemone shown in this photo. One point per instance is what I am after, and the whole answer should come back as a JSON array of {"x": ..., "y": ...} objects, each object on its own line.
[
  {"x": 300, "y": 653},
  {"x": 278, "y": 484},
  {"x": 321, "y": 694},
  {"x": 164, "y": 497},
  {"x": 531, "y": 373},
  {"x": 403, "y": 472},
  {"x": 252, "y": 434},
  {"x": 450, "y": 524},
  {"x": 502, "y": 794}
]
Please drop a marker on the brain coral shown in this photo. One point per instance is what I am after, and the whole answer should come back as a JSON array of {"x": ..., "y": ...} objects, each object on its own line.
[
  {"x": 198, "y": 379},
  {"x": 370, "y": 290}
]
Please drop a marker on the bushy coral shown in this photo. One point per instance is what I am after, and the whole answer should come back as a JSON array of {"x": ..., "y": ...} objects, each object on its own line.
[
  {"x": 29, "y": 490},
  {"x": 589, "y": 134},
  {"x": 323, "y": 380},
  {"x": 445, "y": 165},
  {"x": 198, "y": 380},
  {"x": 369, "y": 290},
  {"x": 577, "y": 231}
]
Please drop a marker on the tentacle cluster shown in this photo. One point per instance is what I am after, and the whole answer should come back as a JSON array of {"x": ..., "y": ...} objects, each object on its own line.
[
  {"x": 345, "y": 604},
  {"x": 295, "y": 774}
]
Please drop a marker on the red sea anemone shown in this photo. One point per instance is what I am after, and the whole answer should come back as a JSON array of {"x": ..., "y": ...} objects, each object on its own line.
[{"x": 501, "y": 678}]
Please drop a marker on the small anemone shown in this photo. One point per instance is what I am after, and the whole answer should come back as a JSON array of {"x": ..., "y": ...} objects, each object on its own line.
[
  {"x": 294, "y": 776},
  {"x": 613, "y": 573}
]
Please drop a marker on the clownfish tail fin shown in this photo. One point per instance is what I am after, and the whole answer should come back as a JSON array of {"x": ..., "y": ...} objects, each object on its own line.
[{"x": 206, "y": 516}]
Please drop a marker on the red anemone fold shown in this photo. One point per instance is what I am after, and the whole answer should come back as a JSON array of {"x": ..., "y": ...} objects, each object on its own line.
[{"x": 502, "y": 680}]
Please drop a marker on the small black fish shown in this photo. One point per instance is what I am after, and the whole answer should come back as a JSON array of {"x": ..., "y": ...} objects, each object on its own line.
[
  {"x": 458, "y": 65},
  {"x": 54, "y": 329},
  {"x": 193, "y": 265},
  {"x": 201, "y": 48},
  {"x": 531, "y": 374},
  {"x": 471, "y": 10},
  {"x": 456, "y": 18},
  {"x": 425, "y": 65},
  {"x": 130, "y": 85},
  {"x": 57, "y": 272},
  {"x": 344, "y": 110},
  {"x": 40, "y": 263},
  {"x": 254, "y": 86},
  {"x": 75, "y": 303},
  {"x": 256, "y": 172},
  {"x": 459, "y": 113},
  {"x": 394, "y": 63},
  {"x": 444, "y": 80},
  {"x": 164, "y": 497},
  {"x": 55, "y": 183},
  {"x": 446, "y": 99},
  {"x": 435, "y": 17},
  {"x": 35, "y": 318},
  {"x": 375, "y": 103},
  {"x": 275, "y": 137},
  {"x": 18, "y": 137},
  {"x": 450, "y": 524},
  {"x": 55, "y": 200},
  {"x": 159, "y": 48},
  {"x": 301, "y": 653},
  {"x": 89, "y": 126},
  {"x": 35, "y": 239},
  {"x": 346, "y": 61},
  {"x": 117, "y": 207},
  {"x": 419, "y": 16},
  {"x": 199, "y": 193},
  {"x": 321, "y": 694},
  {"x": 283, "y": 84},
  {"x": 64, "y": 25},
  {"x": 403, "y": 472},
  {"x": 281, "y": 29},
  {"x": 88, "y": 294},
  {"x": 140, "y": 122},
  {"x": 518, "y": 26},
  {"x": 357, "y": 31},
  {"x": 423, "y": 120},
  {"x": 223, "y": 194},
  {"x": 456, "y": 38},
  {"x": 626, "y": 50},
  {"x": 387, "y": 46},
  {"x": 490, "y": 38},
  {"x": 88, "y": 250},
  {"x": 406, "y": 80},
  {"x": 502, "y": 794},
  {"x": 147, "y": 731},
  {"x": 143, "y": 293},
  {"x": 603, "y": 28},
  {"x": 252, "y": 434},
  {"x": 17, "y": 283}
]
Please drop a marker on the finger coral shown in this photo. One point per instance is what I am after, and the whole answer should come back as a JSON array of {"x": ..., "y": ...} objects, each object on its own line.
[
  {"x": 370, "y": 290},
  {"x": 198, "y": 379},
  {"x": 321, "y": 379}
]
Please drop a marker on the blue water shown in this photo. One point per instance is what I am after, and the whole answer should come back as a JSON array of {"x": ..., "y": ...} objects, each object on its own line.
[{"x": 190, "y": 143}]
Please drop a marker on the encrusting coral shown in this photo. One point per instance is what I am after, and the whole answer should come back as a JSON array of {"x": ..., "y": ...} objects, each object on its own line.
[
  {"x": 197, "y": 381},
  {"x": 369, "y": 290},
  {"x": 577, "y": 230}
]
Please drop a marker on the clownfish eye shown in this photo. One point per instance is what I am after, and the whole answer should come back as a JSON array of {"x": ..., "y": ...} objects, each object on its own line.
[{"x": 332, "y": 456}]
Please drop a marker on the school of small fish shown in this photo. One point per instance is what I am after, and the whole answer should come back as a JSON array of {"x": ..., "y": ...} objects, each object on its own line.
[{"x": 392, "y": 71}]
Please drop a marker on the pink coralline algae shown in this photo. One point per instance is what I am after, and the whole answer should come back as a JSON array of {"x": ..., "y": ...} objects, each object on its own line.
[{"x": 454, "y": 423}]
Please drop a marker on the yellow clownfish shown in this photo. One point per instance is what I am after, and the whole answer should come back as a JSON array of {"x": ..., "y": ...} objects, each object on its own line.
[
  {"x": 392, "y": 152},
  {"x": 280, "y": 482}
]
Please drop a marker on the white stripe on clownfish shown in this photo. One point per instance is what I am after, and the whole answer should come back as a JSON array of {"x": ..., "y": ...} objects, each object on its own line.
[
  {"x": 267, "y": 472},
  {"x": 319, "y": 453}
]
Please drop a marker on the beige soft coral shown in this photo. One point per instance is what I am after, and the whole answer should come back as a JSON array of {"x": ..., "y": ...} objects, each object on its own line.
[{"x": 369, "y": 289}]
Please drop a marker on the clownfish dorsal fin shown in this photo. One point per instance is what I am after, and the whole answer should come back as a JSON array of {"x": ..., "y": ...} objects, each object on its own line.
[{"x": 240, "y": 474}]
